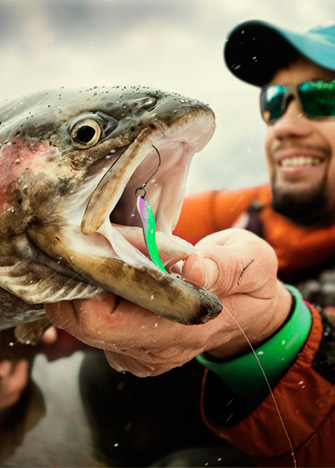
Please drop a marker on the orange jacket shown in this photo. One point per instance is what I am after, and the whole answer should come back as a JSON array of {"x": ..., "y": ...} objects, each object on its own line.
[
  {"x": 297, "y": 248},
  {"x": 306, "y": 393}
]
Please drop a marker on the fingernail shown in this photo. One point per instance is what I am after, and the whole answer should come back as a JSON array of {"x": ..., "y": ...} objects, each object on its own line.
[{"x": 210, "y": 269}]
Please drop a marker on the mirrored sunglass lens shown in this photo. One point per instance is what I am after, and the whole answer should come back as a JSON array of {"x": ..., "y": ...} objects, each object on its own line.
[
  {"x": 318, "y": 98},
  {"x": 272, "y": 103}
]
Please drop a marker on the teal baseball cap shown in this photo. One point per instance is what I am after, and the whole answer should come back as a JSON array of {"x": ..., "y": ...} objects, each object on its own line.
[{"x": 255, "y": 50}]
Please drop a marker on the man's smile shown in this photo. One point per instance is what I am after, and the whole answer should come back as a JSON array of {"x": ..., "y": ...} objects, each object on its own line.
[{"x": 300, "y": 161}]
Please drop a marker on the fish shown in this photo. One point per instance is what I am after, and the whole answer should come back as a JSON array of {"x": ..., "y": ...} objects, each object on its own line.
[{"x": 70, "y": 164}]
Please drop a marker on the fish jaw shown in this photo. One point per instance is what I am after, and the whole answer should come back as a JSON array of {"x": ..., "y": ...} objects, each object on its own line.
[{"x": 164, "y": 294}]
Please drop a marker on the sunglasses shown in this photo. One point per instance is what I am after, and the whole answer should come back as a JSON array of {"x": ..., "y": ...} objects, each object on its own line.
[{"x": 316, "y": 99}]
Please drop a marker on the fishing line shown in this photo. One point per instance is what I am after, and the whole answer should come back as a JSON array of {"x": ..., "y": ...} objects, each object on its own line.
[
  {"x": 142, "y": 187},
  {"x": 148, "y": 223},
  {"x": 268, "y": 385}
]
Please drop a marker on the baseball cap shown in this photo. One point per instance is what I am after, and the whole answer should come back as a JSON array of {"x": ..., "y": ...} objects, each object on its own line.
[{"x": 255, "y": 50}]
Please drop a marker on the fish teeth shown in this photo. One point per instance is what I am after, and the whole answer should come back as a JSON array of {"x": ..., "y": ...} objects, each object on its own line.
[{"x": 300, "y": 161}]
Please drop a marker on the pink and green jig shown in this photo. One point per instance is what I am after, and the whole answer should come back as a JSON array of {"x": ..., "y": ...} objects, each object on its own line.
[{"x": 148, "y": 221}]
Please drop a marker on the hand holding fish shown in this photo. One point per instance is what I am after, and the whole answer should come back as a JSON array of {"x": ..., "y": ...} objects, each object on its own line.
[
  {"x": 237, "y": 266},
  {"x": 79, "y": 171}
]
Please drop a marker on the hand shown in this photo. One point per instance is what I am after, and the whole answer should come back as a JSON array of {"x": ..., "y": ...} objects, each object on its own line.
[
  {"x": 239, "y": 267},
  {"x": 14, "y": 371},
  {"x": 13, "y": 380}
]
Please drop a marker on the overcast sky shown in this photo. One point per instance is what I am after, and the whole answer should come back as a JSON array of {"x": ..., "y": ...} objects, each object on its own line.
[{"x": 170, "y": 44}]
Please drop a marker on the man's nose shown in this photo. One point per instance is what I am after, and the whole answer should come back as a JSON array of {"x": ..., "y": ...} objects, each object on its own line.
[{"x": 293, "y": 122}]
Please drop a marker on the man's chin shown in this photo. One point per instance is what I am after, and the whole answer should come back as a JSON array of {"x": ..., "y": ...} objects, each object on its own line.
[{"x": 306, "y": 208}]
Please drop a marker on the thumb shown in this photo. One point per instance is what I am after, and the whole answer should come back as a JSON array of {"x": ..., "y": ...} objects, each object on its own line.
[{"x": 202, "y": 271}]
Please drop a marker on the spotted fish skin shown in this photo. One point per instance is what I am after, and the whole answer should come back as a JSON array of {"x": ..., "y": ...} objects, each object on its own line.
[{"x": 70, "y": 162}]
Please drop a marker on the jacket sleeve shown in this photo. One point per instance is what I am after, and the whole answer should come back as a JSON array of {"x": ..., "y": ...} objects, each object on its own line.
[{"x": 298, "y": 415}]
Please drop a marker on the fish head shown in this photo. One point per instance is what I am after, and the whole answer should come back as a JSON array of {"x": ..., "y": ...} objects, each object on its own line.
[{"x": 71, "y": 164}]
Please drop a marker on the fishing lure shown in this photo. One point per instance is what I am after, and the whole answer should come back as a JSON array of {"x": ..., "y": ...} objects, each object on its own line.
[{"x": 148, "y": 220}]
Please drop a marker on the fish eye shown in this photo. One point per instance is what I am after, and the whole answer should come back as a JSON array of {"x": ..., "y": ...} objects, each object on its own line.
[{"x": 86, "y": 133}]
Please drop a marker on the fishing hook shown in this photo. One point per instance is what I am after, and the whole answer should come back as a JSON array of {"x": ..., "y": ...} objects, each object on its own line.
[
  {"x": 152, "y": 175},
  {"x": 148, "y": 219}
]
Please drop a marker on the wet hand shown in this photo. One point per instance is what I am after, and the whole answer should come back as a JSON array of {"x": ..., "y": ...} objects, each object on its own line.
[{"x": 237, "y": 266}]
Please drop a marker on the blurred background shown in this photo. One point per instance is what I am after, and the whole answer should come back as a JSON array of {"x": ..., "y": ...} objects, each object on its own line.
[{"x": 174, "y": 45}]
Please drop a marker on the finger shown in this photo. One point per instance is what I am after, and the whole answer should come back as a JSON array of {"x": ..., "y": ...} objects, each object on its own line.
[
  {"x": 5, "y": 369},
  {"x": 98, "y": 322},
  {"x": 232, "y": 261},
  {"x": 116, "y": 325},
  {"x": 7, "y": 400},
  {"x": 50, "y": 336},
  {"x": 12, "y": 385},
  {"x": 202, "y": 270},
  {"x": 122, "y": 363},
  {"x": 61, "y": 314},
  {"x": 19, "y": 377}
]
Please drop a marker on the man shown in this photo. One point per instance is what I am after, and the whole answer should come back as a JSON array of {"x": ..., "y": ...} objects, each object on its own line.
[{"x": 293, "y": 342}]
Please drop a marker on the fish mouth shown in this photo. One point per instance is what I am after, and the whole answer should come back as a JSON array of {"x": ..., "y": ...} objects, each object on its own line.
[
  {"x": 101, "y": 236},
  {"x": 155, "y": 165}
]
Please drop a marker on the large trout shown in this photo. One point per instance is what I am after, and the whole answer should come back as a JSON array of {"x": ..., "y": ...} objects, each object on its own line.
[{"x": 70, "y": 166}]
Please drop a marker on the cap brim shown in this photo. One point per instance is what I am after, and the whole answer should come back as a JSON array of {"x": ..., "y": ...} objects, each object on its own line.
[{"x": 255, "y": 50}]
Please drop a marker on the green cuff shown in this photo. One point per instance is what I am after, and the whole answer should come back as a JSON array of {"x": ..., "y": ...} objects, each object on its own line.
[{"x": 243, "y": 374}]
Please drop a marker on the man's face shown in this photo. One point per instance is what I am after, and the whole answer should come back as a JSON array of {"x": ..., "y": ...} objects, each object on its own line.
[{"x": 301, "y": 154}]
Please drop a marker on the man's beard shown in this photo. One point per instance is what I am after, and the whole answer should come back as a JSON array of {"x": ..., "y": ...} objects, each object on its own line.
[{"x": 306, "y": 208}]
